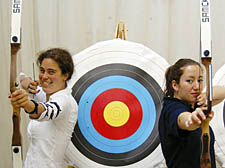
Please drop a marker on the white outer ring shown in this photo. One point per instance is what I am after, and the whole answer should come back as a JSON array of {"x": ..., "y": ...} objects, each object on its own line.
[
  {"x": 129, "y": 53},
  {"x": 217, "y": 122}
]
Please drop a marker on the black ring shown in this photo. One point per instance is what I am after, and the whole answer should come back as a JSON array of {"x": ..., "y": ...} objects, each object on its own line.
[{"x": 119, "y": 159}]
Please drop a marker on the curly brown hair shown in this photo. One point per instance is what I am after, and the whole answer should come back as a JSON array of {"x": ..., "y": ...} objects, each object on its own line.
[{"x": 62, "y": 57}]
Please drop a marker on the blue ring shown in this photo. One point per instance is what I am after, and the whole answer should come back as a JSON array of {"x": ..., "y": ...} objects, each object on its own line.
[{"x": 127, "y": 144}]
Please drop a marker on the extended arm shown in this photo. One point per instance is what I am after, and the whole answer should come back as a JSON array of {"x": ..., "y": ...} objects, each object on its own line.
[
  {"x": 191, "y": 121},
  {"x": 20, "y": 99}
]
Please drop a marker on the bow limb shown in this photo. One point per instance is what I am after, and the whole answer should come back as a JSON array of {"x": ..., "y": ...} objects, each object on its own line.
[
  {"x": 15, "y": 47},
  {"x": 206, "y": 61}
]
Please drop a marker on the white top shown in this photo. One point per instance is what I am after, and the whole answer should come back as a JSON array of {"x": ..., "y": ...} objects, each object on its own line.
[{"x": 50, "y": 134}]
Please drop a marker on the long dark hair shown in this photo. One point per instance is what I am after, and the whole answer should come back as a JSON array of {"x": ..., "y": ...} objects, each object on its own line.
[{"x": 174, "y": 72}]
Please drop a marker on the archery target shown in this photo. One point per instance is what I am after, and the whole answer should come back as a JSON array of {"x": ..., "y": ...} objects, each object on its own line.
[
  {"x": 117, "y": 85},
  {"x": 218, "y": 120}
]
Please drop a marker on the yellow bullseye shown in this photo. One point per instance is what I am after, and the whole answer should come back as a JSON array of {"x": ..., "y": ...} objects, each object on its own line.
[{"x": 116, "y": 113}]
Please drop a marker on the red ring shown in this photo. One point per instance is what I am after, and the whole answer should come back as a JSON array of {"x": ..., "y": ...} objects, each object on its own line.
[{"x": 103, "y": 127}]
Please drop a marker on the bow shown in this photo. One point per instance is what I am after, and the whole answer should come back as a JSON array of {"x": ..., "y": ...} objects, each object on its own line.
[
  {"x": 206, "y": 61},
  {"x": 15, "y": 46}
]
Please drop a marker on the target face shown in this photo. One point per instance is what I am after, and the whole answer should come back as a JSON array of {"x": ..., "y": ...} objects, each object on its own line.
[
  {"x": 119, "y": 106},
  {"x": 102, "y": 95}
]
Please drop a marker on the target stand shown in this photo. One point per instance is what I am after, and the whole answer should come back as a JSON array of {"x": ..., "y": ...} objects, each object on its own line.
[
  {"x": 121, "y": 31},
  {"x": 118, "y": 87}
]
